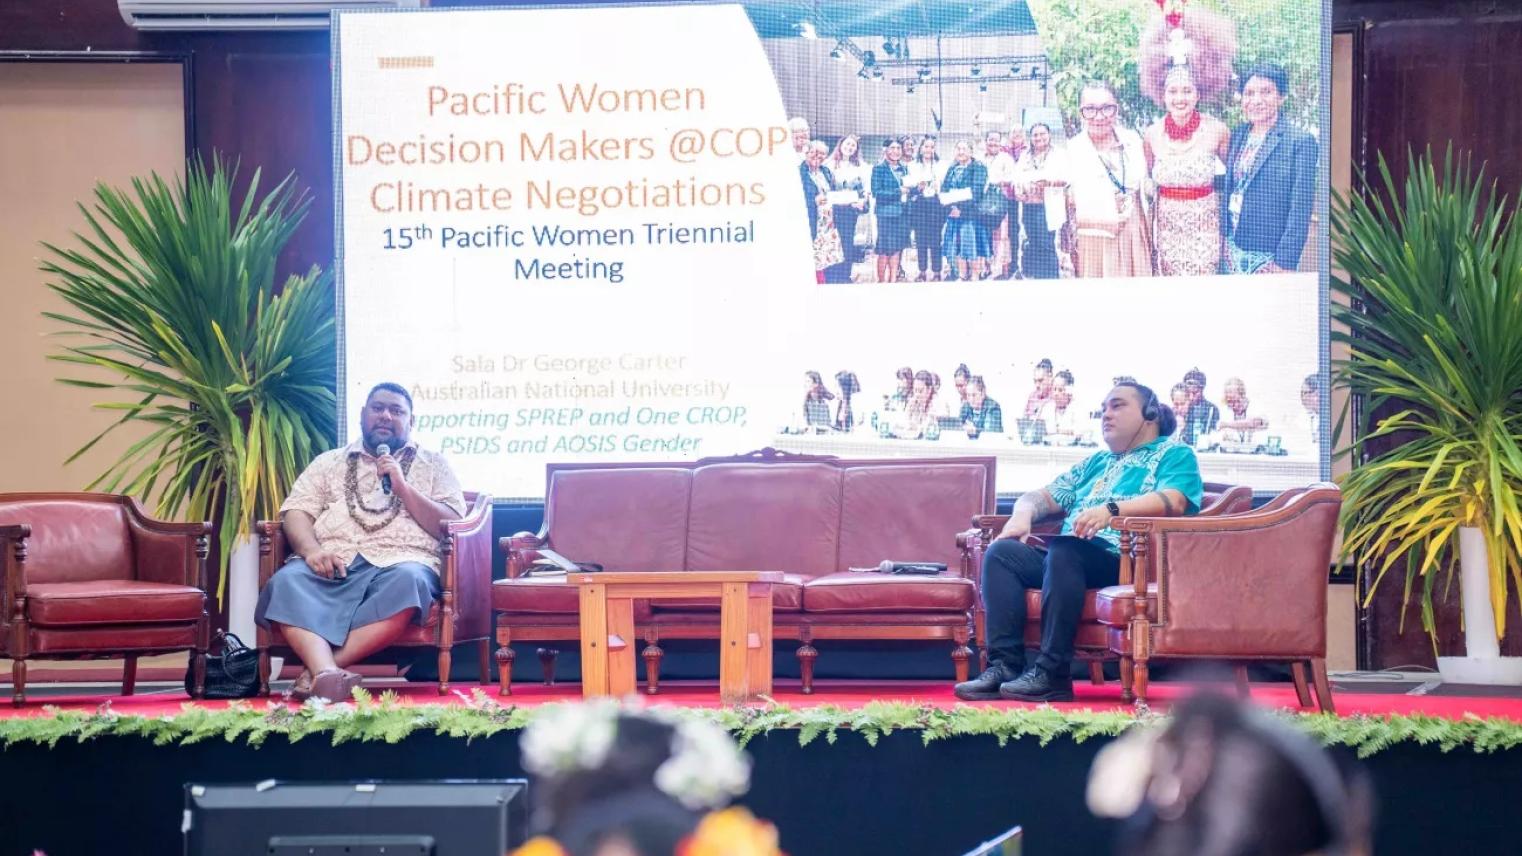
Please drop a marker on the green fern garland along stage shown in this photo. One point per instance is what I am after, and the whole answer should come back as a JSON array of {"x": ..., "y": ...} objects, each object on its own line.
[{"x": 389, "y": 719}]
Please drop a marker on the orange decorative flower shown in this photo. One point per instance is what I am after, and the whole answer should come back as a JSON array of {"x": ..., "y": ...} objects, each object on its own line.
[
  {"x": 731, "y": 832},
  {"x": 540, "y": 845}
]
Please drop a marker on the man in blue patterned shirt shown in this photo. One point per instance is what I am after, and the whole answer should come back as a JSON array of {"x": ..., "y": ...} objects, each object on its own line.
[{"x": 1144, "y": 473}]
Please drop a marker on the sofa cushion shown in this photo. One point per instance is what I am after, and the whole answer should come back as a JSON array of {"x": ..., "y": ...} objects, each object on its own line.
[
  {"x": 112, "y": 602},
  {"x": 765, "y": 517},
  {"x": 113, "y": 639},
  {"x": 631, "y": 519},
  {"x": 1090, "y": 637},
  {"x": 1116, "y": 605},
  {"x": 544, "y": 593},
  {"x": 73, "y": 539},
  {"x": 858, "y": 592},
  {"x": 908, "y": 512},
  {"x": 1033, "y": 606},
  {"x": 787, "y": 596}
]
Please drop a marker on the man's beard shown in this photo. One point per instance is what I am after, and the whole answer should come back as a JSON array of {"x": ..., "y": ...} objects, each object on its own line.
[{"x": 390, "y": 438}]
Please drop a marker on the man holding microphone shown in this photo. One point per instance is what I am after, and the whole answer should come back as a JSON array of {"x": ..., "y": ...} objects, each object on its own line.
[{"x": 364, "y": 525}]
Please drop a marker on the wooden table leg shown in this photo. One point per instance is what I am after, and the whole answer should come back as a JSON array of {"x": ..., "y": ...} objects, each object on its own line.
[
  {"x": 621, "y": 650},
  {"x": 734, "y": 650},
  {"x": 759, "y": 639},
  {"x": 594, "y": 641}
]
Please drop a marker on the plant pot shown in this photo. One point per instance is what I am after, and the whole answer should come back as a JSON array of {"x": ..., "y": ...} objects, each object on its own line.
[
  {"x": 243, "y": 589},
  {"x": 1482, "y": 663}
]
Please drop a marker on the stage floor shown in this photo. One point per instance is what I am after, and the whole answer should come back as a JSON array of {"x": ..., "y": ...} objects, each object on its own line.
[{"x": 1353, "y": 698}]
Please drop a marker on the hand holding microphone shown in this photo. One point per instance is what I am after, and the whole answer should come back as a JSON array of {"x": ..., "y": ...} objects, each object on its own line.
[{"x": 385, "y": 463}]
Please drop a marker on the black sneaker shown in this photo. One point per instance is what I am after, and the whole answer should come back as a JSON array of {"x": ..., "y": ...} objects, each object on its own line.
[
  {"x": 985, "y": 686},
  {"x": 1037, "y": 684}
]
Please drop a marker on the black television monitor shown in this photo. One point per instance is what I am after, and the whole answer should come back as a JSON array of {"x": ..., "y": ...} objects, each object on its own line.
[
  {"x": 440, "y": 817},
  {"x": 1006, "y": 844}
]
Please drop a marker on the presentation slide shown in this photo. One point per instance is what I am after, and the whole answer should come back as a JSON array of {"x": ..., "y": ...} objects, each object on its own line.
[{"x": 865, "y": 229}]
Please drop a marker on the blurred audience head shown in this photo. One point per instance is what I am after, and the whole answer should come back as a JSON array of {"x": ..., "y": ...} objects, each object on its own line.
[
  {"x": 1179, "y": 395},
  {"x": 905, "y": 380},
  {"x": 1041, "y": 376},
  {"x": 960, "y": 376},
  {"x": 977, "y": 391},
  {"x": 924, "y": 386},
  {"x": 1062, "y": 388},
  {"x": 615, "y": 781},
  {"x": 816, "y": 387},
  {"x": 1225, "y": 779},
  {"x": 1194, "y": 384},
  {"x": 814, "y": 153},
  {"x": 800, "y": 129},
  {"x": 1234, "y": 394},
  {"x": 1310, "y": 393},
  {"x": 848, "y": 150},
  {"x": 848, "y": 383},
  {"x": 1041, "y": 137}
]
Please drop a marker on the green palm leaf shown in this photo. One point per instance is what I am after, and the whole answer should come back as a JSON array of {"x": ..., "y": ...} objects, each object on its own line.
[
  {"x": 233, "y": 370},
  {"x": 1434, "y": 277}
]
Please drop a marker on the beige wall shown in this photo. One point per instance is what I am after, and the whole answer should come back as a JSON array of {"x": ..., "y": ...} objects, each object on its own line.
[{"x": 63, "y": 127}]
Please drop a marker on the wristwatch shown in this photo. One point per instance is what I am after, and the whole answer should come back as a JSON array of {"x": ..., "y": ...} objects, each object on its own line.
[{"x": 1113, "y": 507}]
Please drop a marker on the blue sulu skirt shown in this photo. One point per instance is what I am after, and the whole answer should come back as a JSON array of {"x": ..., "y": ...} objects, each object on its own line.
[{"x": 297, "y": 596}]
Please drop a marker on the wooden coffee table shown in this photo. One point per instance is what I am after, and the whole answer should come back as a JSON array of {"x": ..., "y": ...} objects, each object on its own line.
[{"x": 745, "y": 622}]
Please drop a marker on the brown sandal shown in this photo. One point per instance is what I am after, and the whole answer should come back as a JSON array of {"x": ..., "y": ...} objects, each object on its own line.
[
  {"x": 335, "y": 685},
  {"x": 301, "y": 690}
]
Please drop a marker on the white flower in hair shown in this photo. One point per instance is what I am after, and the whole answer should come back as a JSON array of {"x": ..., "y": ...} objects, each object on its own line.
[
  {"x": 570, "y": 737},
  {"x": 1180, "y": 46},
  {"x": 706, "y": 769}
]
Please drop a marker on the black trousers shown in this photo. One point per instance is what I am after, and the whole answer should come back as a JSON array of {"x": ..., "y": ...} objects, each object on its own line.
[{"x": 1063, "y": 572}]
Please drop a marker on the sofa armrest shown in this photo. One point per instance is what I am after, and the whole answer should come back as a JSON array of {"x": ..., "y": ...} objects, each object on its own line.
[
  {"x": 1271, "y": 546},
  {"x": 13, "y": 557},
  {"x": 522, "y": 549},
  {"x": 466, "y": 571},
  {"x": 273, "y": 550},
  {"x": 168, "y": 552}
]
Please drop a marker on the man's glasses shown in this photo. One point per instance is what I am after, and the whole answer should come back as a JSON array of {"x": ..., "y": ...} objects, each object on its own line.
[{"x": 1094, "y": 112}]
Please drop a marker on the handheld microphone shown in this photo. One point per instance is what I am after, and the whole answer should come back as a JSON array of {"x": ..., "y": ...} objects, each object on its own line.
[
  {"x": 381, "y": 451},
  {"x": 888, "y": 566}
]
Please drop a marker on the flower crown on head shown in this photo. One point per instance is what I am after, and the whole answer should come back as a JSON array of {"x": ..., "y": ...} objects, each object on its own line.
[
  {"x": 706, "y": 768},
  {"x": 1197, "y": 42}
]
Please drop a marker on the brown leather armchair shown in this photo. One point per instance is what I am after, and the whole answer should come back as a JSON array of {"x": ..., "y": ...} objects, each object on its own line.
[
  {"x": 461, "y": 614},
  {"x": 91, "y": 575},
  {"x": 1239, "y": 587},
  {"x": 1092, "y": 644}
]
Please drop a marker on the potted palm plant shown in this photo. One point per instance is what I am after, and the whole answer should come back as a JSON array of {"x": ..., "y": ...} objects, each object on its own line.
[
  {"x": 1434, "y": 327},
  {"x": 178, "y": 316}
]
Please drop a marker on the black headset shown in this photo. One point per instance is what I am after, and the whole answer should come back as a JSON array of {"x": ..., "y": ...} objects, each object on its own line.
[{"x": 1152, "y": 409}]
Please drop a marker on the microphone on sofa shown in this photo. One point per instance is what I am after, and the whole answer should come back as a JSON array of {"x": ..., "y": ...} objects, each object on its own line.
[{"x": 888, "y": 566}]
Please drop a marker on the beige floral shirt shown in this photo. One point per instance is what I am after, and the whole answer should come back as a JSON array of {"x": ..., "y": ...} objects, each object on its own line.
[{"x": 320, "y": 491}]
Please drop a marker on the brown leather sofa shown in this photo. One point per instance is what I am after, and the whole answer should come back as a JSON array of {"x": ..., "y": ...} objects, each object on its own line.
[
  {"x": 91, "y": 575},
  {"x": 809, "y": 517},
  {"x": 461, "y": 614},
  {"x": 1242, "y": 587},
  {"x": 1093, "y": 641}
]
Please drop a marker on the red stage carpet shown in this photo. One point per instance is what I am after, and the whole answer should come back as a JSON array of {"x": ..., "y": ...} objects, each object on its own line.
[{"x": 841, "y": 693}]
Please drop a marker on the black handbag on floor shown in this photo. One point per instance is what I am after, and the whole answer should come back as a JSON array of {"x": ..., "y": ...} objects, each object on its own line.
[{"x": 233, "y": 673}]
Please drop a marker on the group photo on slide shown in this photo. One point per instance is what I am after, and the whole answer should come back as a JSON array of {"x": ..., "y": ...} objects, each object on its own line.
[
  {"x": 967, "y": 155},
  {"x": 760, "y": 428}
]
